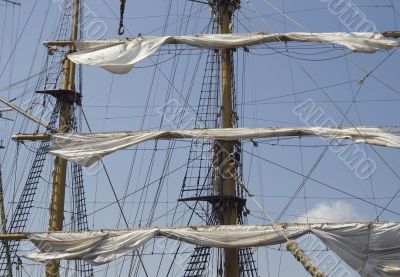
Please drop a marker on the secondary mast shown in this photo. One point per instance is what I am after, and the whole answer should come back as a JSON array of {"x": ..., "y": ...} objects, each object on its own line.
[{"x": 60, "y": 165}]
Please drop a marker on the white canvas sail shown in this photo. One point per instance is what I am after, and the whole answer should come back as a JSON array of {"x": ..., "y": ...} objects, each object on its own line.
[
  {"x": 120, "y": 56},
  {"x": 85, "y": 149},
  {"x": 372, "y": 249}
]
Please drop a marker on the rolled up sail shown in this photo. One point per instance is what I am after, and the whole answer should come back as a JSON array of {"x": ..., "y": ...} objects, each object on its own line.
[
  {"x": 120, "y": 56},
  {"x": 86, "y": 149},
  {"x": 372, "y": 249}
]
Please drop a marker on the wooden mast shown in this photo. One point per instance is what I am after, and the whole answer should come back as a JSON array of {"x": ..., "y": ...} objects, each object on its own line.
[
  {"x": 228, "y": 189},
  {"x": 60, "y": 165}
]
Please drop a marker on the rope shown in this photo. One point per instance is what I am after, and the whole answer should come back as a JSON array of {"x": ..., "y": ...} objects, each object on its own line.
[
  {"x": 368, "y": 74},
  {"x": 121, "y": 18},
  {"x": 291, "y": 245},
  {"x": 295, "y": 249}
]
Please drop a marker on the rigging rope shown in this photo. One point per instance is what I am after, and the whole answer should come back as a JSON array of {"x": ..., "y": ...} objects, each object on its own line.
[
  {"x": 298, "y": 118},
  {"x": 291, "y": 245},
  {"x": 323, "y": 183},
  {"x": 18, "y": 39},
  {"x": 331, "y": 100}
]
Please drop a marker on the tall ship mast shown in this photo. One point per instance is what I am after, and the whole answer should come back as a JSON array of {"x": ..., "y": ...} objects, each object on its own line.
[{"x": 216, "y": 223}]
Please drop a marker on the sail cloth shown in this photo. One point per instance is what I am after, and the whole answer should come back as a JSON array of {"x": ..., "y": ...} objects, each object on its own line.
[
  {"x": 372, "y": 249},
  {"x": 86, "y": 149},
  {"x": 119, "y": 56}
]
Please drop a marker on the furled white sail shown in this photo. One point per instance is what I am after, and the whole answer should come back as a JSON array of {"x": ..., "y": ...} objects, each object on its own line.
[
  {"x": 372, "y": 249},
  {"x": 119, "y": 56},
  {"x": 85, "y": 149}
]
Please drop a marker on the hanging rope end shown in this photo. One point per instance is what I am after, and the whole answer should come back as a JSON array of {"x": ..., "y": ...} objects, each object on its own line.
[{"x": 121, "y": 30}]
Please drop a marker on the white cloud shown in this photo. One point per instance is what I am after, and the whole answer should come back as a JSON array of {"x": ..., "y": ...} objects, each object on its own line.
[{"x": 330, "y": 212}]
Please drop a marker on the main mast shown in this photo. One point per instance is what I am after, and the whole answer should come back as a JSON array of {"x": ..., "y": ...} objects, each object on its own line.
[
  {"x": 60, "y": 165},
  {"x": 227, "y": 191}
]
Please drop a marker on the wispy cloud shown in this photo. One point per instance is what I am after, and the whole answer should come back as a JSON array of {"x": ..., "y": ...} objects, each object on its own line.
[{"x": 330, "y": 212}]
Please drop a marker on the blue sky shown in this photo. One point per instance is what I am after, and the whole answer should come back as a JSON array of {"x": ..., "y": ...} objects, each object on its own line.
[{"x": 269, "y": 86}]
